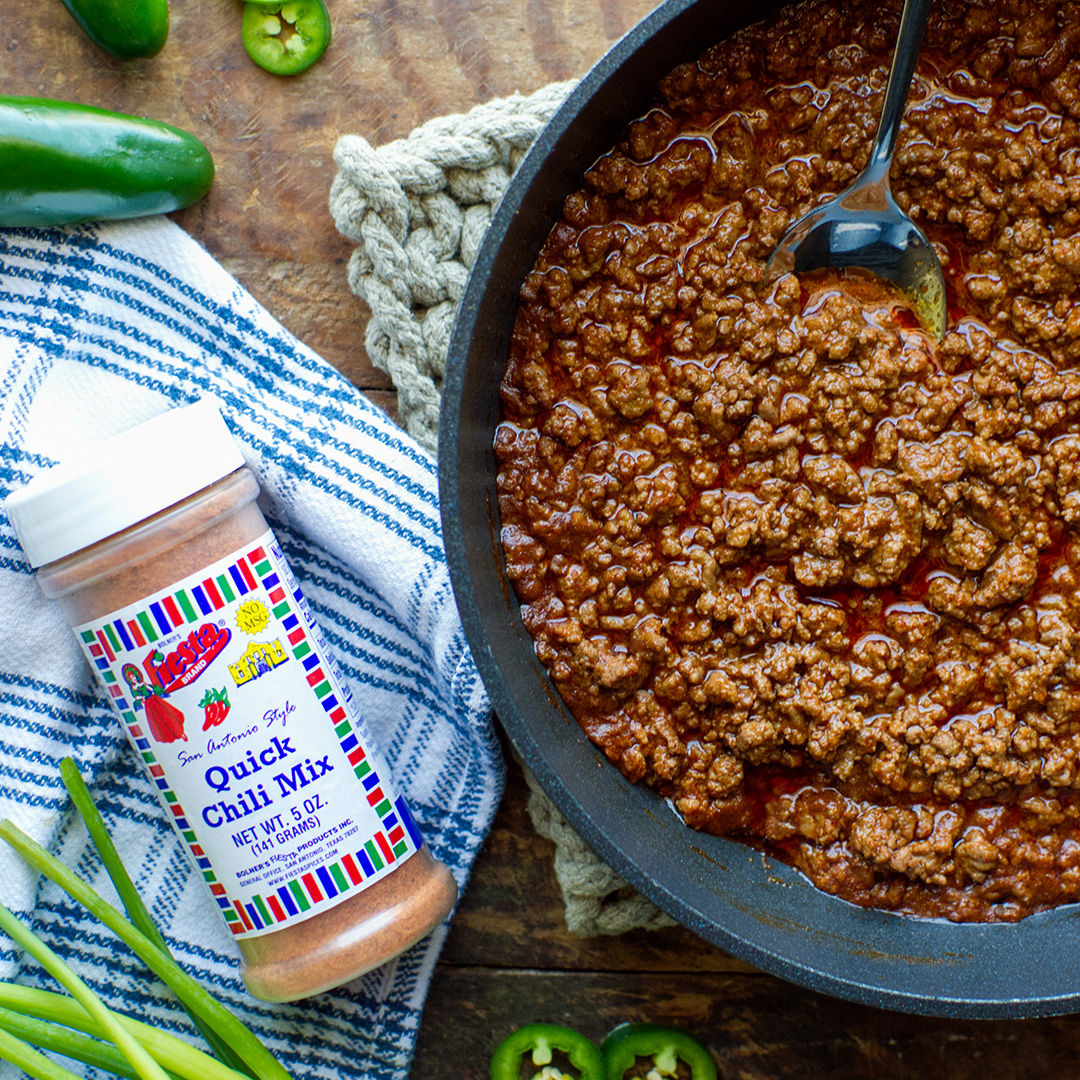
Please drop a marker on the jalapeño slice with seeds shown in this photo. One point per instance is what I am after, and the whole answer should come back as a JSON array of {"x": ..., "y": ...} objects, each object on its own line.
[{"x": 285, "y": 38}]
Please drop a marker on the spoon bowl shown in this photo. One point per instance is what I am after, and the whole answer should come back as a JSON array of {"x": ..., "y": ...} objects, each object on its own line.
[{"x": 862, "y": 227}]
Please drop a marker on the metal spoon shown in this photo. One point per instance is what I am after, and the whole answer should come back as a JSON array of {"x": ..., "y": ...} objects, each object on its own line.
[{"x": 863, "y": 227}]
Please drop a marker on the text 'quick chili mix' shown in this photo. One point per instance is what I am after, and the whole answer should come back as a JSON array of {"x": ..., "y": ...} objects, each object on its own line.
[
  {"x": 189, "y": 615},
  {"x": 803, "y": 570}
]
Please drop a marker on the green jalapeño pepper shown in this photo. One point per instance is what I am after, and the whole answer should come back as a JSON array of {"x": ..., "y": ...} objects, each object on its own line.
[
  {"x": 65, "y": 163},
  {"x": 536, "y": 1043},
  {"x": 285, "y": 38},
  {"x": 126, "y": 29},
  {"x": 662, "y": 1048}
]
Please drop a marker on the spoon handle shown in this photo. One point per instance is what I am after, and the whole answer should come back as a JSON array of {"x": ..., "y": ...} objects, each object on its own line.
[{"x": 908, "y": 41}]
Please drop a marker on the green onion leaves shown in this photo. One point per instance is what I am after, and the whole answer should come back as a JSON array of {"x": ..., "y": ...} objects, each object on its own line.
[{"x": 76, "y": 1026}]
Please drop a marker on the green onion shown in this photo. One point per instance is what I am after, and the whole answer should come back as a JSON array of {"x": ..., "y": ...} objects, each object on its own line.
[
  {"x": 134, "y": 1051},
  {"x": 110, "y": 857},
  {"x": 129, "y": 895},
  {"x": 194, "y": 998},
  {"x": 31, "y": 1061},
  {"x": 72, "y": 1044},
  {"x": 175, "y": 1055}
]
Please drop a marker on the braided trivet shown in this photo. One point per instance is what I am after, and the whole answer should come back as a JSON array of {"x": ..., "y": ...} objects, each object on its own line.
[{"x": 417, "y": 209}]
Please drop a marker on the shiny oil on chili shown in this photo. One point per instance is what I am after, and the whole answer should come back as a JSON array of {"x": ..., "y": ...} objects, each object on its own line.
[{"x": 807, "y": 573}]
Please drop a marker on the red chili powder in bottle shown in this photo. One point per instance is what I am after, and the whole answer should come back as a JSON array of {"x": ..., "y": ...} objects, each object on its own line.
[{"x": 196, "y": 628}]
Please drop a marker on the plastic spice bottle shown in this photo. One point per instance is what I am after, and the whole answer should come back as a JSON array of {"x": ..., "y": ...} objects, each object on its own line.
[{"x": 185, "y": 608}]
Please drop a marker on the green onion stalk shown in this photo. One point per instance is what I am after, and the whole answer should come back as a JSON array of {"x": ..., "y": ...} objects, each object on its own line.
[
  {"x": 146, "y": 1067},
  {"x": 31, "y": 1061},
  {"x": 56, "y": 1022},
  {"x": 130, "y": 897},
  {"x": 195, "y": 999}
]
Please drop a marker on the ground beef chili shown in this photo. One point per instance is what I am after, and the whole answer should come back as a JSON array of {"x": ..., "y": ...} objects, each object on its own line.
[{"x": 811, "y": 575}]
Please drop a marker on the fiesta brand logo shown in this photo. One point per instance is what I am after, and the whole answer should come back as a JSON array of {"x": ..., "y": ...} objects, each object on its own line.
[{"x": 191, "y": 657}]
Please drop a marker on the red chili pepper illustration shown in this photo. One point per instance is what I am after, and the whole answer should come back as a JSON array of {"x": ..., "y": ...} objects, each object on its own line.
[
  {"x": 215, "y": 704},
  {"x": 165, "y": 720}
]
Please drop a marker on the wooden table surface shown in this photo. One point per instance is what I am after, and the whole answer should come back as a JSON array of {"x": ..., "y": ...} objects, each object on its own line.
[{"x": 509, "y": 959}]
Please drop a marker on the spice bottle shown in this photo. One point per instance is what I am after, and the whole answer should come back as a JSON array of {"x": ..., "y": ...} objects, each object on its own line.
[{"x": 180, "y": 597}]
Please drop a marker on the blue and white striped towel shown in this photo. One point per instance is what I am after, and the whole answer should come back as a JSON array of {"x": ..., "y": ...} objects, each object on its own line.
[{"x": 100, "y": 328}]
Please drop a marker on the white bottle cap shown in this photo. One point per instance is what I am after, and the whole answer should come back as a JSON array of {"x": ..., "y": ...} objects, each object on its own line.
[{"x": 122, "y": 481}]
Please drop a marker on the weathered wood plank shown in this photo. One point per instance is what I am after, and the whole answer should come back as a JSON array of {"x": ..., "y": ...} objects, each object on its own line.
[{"x": 759, "y": 1028}]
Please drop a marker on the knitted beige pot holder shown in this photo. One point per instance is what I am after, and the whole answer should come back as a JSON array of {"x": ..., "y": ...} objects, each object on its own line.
[{"x": 417, "y": 209}]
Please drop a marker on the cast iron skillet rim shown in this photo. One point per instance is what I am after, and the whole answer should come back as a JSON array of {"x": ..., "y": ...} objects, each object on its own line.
[{"x": 503, "y": 700}]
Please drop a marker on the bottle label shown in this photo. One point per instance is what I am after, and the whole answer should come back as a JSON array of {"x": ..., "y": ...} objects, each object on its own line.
[{"x": 229, "y": 695}]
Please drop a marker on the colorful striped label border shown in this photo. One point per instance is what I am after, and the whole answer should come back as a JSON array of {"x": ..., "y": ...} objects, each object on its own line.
[
  {"x": 398, "y": 834},
  {"x": 170, "y": 613},
  {"x": 301, "y": 894}
]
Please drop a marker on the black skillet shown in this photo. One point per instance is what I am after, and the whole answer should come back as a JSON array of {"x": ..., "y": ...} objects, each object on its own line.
[{"x": 748, "y": 904}]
